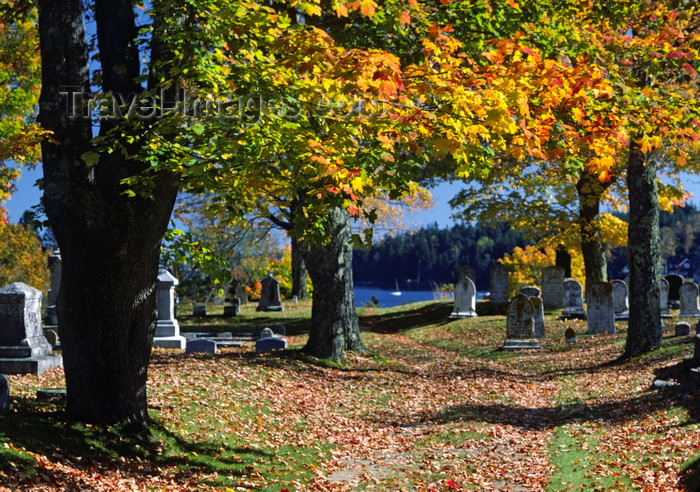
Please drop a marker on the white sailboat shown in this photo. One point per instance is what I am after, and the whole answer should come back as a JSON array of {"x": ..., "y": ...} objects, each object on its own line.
[{"x": 397, "y": 292}]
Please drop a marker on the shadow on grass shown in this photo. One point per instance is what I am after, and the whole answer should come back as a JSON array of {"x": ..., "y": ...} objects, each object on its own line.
[
  {"x": 686, "y": 395},
  {"x": 398, "y": 321},
  {"x": 247, "y": 324},
  {"x": 36, "y": 431}
]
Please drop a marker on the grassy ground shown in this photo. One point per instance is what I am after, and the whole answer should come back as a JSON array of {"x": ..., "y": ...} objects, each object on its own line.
[{"x": 434, "y": 405}]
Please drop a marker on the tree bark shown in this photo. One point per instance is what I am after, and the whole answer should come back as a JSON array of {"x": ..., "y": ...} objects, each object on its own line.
[
  {"x": 334, "y": 323},
  {"x": 299, "y": 271},
  {"x": 110, "y": 243},
  {"x": 643, "y": 255},
  {"x": 590, "y": 190}
]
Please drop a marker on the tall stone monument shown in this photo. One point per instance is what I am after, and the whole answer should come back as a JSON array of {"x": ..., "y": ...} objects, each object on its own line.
[
  {"x": 601, "y": 314},
  {"x": 23, "y": 348},
  {"x": 270, "y": 295},
  {"x": 620, "y": 302},
  {"x": 498, "y": 285},
  {"x": 167, "y": 327},
  {"x": 688, "y": 295},
  {"x": 553, "y": 287},
  {"x": 674, "y": 286},
  {"x": 465, "y": 296},
  {"x": 664, "y": 298},
  {"x": 55, "y": 267},
  {"x": 520, "y": 325},
  {"x": 573, "y": 300}
]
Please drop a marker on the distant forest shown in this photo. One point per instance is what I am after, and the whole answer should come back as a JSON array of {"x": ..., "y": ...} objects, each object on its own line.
[{"x": 419, "y": 259}]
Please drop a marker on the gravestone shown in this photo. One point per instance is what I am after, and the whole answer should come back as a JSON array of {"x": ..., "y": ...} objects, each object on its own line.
[
  {"x": 674, "y": 285},
  {"x": 553, "y": 287},
  {"x": 538, "y": 316},
  {"x": 266, "y": 333},
  {"x": 467, "y": 271},
  {"x": 270, "y": 344},
  {"x": 279, "y": 330},
  {"x": 663, "y": 298},
  {"x": 689, "y": 300},
  {"x": 465, "y": 296},
  {"x": 529, "y": 291},
  {"x": 520, "y": 325},
  {"x": 573, "y": 300},
  {"x": 242, "y": 294},
  {"x": 199, "y": 310},
  {"x": 601, "y": 314},
  {"x": 270, "y": 295},
  {"x": 54, "y": 264},
  {"x": 23, "y": 347},
  {"x": 682, "y": 329},
  {"x": 167, "y": 327},
  {"x": 570, "y": 336},
  {"x": 620, "y": 299},
  {"x": 4, "y": 394},
  {"x": 233, "y": 309},
  {"x": 201, "y": 346},
  {"x": 498, "y": 285},
  {"x": 51, "y": 337}
]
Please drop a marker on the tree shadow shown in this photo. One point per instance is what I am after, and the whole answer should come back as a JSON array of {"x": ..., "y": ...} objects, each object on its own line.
[
  {"x": 39, "y": 430},
  {"x": 395, "y": 322}
]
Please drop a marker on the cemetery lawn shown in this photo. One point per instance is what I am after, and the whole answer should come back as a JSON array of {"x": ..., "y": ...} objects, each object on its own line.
[{"x": 434, "y": 405}]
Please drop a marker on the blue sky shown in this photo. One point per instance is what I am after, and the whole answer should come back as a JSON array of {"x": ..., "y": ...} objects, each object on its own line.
[{"x": 27, "y": 195}]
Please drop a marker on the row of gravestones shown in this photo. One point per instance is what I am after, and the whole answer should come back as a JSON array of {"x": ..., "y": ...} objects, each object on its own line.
[{"x": 270, "y": 299}]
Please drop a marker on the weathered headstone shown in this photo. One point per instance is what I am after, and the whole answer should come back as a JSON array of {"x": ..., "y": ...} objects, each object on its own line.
[
  {"x": 601, "y": 314},
  {"x": 51, "y": 337},
  {"x": 498, "y": 285},
  {"x": 233, "y": 309},
  {"x": 553, "y": 287},
  {"x": 270, "y": 344},
  {"x": 167, "y": 327},
  {"x": 4, "y": 394},
  {"x": 570, "y": 336},
  {"x": 23, "y": 347},
  {"x": 279, "y": 330},
  {"x": 270, "y": 295},
  {"x": 573, "y": 300},
  {"x": 620, "y": 302},
  {"x": 54, "y": 264},
  {"x": 682, "y": 329},
  {"x": 199, "y": 310},
  {"x": 465, "y": 296},
  {"x": 689, "y": 300},
  {"x": 242, "y": 294},
  {"x": 529, "y": 291},
  {"x": 674, "y": 285},
  {"x": 520, "y": 325},
  {"x": 467, "y": 271},
  {"x": 538, "y": 316},
  {"x": 201, "y": 346},
  {"x": 266, "y": 333},
  {"x": 663, "y": 298}
]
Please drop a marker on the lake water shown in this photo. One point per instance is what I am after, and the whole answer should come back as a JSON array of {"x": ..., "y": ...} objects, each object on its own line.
[{"x": 388, "y": 299}]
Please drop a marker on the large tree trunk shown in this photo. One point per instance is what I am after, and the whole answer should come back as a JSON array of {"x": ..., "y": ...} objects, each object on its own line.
[
  {"x": 334, "y": 323},
  {"x": 299, "y": 272},
  {"x": 590, "y": 190},
  {"x": 109, "y": 243},
  {"x": 643, "y": 249}
]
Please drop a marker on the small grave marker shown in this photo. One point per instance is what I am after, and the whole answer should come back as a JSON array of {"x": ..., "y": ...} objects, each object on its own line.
[
  {"x": 465, "y": 296},
  {"x": 688, "y": 293},
  {"x": 201, "y": 346},
  {"x": 270, "y": 295},
  {"x": 573, "y": 300},
  {"x": 682, "y": 329},
  {"x": 270, "y": 344},
  {"x": 601, "y": 315},
  {"x": 570, "y": 336}
]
